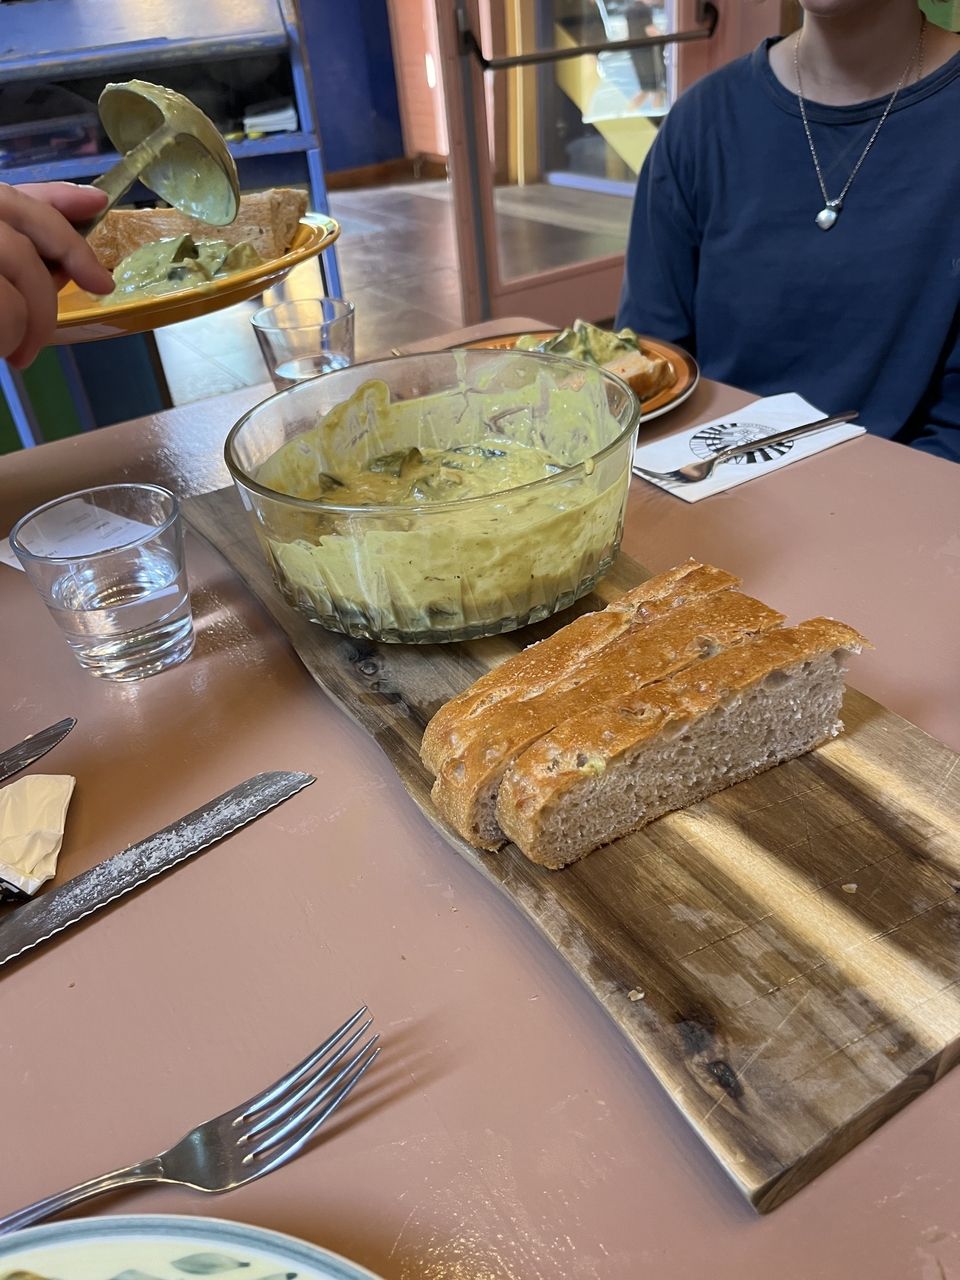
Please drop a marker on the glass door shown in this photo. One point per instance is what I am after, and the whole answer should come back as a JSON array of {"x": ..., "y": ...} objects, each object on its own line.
[{"x": 551, "y": 107}]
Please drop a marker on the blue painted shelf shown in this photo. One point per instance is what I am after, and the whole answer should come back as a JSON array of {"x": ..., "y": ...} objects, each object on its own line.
[
  {"x": 51, "y": 40},
  {"x": 61, "y": 38},
  {"x": 72, "y": 168}
]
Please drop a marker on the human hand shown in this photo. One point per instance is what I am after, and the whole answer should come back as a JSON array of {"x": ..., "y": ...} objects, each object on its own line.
[{"x": 39, "y": 252}]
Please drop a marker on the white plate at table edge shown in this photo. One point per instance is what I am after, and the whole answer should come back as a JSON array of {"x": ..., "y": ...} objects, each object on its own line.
[{"x": 187, "y": 1231}]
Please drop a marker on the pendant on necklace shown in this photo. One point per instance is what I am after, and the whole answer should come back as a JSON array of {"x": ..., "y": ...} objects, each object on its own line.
[{"x": 827, "y": 217}]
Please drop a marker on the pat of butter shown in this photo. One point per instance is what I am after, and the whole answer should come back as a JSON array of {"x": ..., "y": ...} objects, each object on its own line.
[{"x": 33, "y": 814}]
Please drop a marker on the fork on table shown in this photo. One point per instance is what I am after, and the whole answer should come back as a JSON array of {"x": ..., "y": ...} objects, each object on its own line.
[
  {"x": 694, "y": 472},
  {"x": 247, "y": 1142}
]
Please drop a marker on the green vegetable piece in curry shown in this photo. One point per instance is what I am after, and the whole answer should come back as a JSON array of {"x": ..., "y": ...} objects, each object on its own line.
[
  {"x": 584, "y": 342},
  {"x": 163, "y": 266}
]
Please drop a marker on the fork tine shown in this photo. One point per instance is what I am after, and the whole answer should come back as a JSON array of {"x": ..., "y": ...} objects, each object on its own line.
[
  {"x": 274, "y": 1091},
  {"x": 310, "y": 1082},
  {"x": 307, "y": 1114}
]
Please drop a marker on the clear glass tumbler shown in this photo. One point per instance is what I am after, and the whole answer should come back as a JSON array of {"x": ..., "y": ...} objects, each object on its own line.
[
  {"x": 304, "y": 339},
  {"x": 108, "y": 563}
]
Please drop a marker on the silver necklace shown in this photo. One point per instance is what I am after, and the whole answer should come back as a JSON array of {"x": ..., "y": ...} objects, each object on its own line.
[{"x": 831, "y": 208}]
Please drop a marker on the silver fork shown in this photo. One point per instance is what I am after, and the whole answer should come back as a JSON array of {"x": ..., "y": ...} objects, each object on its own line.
[
  {"x": 696, "y": 471},
  {"x": 243, "y": 1144}
]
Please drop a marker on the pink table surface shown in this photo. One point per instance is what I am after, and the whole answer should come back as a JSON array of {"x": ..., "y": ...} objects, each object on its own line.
[{"x": 507, "y": 1130}]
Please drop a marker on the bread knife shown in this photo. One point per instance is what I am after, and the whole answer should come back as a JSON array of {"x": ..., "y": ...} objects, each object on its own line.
[{"x": 60, "y": 908}]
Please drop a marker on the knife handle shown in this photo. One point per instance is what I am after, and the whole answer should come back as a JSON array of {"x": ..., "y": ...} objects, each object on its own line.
[{"x": 148, "y": 1171}]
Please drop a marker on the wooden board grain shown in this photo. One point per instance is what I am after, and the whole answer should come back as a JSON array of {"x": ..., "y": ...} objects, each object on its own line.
[{"x": 784, "y": 956}]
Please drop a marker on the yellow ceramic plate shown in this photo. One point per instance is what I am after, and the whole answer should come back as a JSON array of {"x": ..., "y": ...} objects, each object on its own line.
[
  {"x": 686, "y": 373},
  {"x": 82, "y": 318}
]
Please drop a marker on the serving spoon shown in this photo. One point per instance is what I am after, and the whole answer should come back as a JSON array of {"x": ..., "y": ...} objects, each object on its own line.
[{"x": 172, "y": 147}]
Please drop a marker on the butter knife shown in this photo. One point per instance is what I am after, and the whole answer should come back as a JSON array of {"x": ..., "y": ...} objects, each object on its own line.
[
  {"x": 52, "y": 912},
  {"x": 32, "y": 748}
]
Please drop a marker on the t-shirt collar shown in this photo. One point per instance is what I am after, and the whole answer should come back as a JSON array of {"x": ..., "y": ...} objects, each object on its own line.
[{"x": 857, "y": 112}]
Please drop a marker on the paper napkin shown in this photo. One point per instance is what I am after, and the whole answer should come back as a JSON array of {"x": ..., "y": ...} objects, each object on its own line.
[
  {"x": 80, "y": 528},
  {"x": 758, "y": 419},
  {"x": 33, "y": 813},
  {"x": 8, "y": 555}
]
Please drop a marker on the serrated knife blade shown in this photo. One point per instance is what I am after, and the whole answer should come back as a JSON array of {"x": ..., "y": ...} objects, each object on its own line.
[
  {"x": 57, "y": 910},
  {"x": 32, "y": 748}
]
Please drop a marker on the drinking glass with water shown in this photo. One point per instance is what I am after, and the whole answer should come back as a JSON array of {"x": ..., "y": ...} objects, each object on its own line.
[
  {"x": 108, "y": 563},
  {"x": 304, "y": 339}
]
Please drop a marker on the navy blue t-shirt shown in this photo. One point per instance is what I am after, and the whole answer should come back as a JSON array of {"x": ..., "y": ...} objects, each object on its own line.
[{"x": 725, "y": 257}]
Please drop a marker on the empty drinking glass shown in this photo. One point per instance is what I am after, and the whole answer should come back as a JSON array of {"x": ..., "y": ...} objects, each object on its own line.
[
  {"x": 108, "y": 563},
  {"x": 304, "y": 339}
]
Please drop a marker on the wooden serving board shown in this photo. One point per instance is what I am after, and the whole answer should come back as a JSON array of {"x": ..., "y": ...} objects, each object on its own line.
[{"x": 784, "y": 956}]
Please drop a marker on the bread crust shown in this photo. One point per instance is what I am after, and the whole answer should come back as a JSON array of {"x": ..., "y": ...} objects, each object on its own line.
[
  {"x": 644, "y": 374},
  {"x": 266, "y": 219},
  {"x": 680, "y": 638},
  {"x": 540, "y": 665},
  {"x": 588, "y": 742}
]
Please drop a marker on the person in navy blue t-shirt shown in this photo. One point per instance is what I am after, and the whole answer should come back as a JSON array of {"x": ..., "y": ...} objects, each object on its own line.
[{"x": 797, "y": 221}]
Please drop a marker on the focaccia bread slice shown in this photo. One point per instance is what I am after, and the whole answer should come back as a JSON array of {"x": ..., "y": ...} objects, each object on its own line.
[
  {"x": 466, "y": 787},
  {"x": 645, "y": 374},
  {"x": 613, "y": 768},
  {"x": 540, "y": 665},
  {"x": 266, "y": 219}
]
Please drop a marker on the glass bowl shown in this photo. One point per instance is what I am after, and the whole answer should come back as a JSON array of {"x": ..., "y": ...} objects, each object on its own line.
[{"x": 424, "y": 572}]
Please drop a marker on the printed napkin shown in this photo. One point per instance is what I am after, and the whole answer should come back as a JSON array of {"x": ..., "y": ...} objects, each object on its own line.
[
  {"x": 761, "y": 418},
  {"x": 33, "y": 813}
]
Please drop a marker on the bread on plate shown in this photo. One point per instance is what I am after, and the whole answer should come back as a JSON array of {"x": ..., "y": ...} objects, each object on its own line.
[{"x": 266, "y": 219}]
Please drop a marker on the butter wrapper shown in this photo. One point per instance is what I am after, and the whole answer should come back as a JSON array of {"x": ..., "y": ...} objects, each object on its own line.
[{"x": 33, "y": 814}]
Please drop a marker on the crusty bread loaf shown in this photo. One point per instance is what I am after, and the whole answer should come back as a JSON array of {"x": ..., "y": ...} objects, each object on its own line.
[
  {"x": 540, "y": 665},
  {"x": 266, "y": 219},
  {"x": 644, "y": 373},
  {"x": 678, "y": 689},
  {"x": 469, "y": 777},
  {"x": 613, "y": 768}
]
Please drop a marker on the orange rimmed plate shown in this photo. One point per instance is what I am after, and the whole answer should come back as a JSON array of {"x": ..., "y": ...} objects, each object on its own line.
[
  {"x": 82, "y": 318},
  {"x": 685, "y": 369}
]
